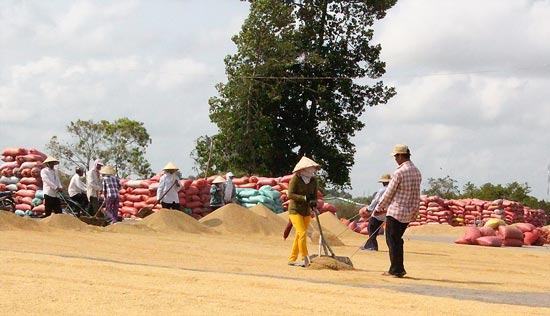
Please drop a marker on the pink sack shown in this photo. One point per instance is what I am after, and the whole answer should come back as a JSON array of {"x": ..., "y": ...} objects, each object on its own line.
[{"x": 491, "y": 241}]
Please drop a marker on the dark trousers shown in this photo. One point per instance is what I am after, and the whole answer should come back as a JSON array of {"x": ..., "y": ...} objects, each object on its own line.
[
  {"x": 374, "y": 225},
  {"x": 171, "y": 206},
  {"x": 52, "y": 204},
  {"x": 394, "y": 238},
  {"x": 93, "y": 206},
  {"x": 81, "y": 199}
]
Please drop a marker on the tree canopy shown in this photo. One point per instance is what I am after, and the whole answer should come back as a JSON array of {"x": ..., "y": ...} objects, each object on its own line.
[
  {"x": 293, "y": 88},
  {"x": 122, "y": 144}
]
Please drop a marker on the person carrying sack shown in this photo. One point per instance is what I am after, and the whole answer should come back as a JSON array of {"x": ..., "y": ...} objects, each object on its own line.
[
  {"x": 169, "y": 186},
  {"x": 302, "y": 194},
  {"x": 375, "y": 221}
]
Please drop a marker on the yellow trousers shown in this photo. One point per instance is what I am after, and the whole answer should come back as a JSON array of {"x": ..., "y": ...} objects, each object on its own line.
[{"x": 300, "y": 223}]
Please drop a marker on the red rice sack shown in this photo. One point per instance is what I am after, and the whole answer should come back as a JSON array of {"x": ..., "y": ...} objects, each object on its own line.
[
  {"x": 472, "y": 234},
  {"x": 134, "y": 198},
  {"x": 141, "y": 191},
  {"x": 512, "y": 242},
  {"x": 525, "y": 227},
  {"x": 23, "y": 207},
  {"x": 194, "y": 204},
  {"x": 128, "y": 210},
  {"x": 462, "y": 241},
  {"x": 531, "y": 238},
  {"x": 490, "y": 241},
  {"x": 510, "y": 232},
  {"x": 36, "y": 152},
  {"x": 25, "y": 193},
  {"x": 487, "y": 231},
  {"x": 39, "y": 209},
  {"x": 14, "y": 151}
]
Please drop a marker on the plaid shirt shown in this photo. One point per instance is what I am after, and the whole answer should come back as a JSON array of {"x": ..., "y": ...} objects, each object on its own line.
[
  {"x": 111, "y": 186},
  {"x": 402, "y": 197}
]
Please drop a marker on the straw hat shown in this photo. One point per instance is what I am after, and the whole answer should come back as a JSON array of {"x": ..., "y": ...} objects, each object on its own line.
[
  {"x": 304, "y": 163},
  {"x": 170, "y": 166},
  {"x": 385, "y": 178},
  {"x": 219, "y": 179},
  {"x": 51, "y": 159},
  {"x": 400, "y": 149},
  {"x": 107, "y": 170}
]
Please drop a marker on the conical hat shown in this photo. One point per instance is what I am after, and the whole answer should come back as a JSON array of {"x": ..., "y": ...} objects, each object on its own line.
[
  {"x": 170, "y": 166},
  {"x": 219, "y": 179},
  {"x": 385, "y": 178},
  {"x": 107, "y": 170},
  {"x": 304, "y": 163},
  {"x": 50, "y": 159}
]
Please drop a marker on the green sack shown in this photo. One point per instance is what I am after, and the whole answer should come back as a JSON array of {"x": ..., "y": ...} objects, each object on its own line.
[{"x": 247, "y": 192}]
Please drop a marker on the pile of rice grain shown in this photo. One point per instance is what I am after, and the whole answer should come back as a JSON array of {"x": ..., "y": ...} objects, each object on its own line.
[
  {"x": 235, "y": 219},
  {"x": 165, "y": 221}
]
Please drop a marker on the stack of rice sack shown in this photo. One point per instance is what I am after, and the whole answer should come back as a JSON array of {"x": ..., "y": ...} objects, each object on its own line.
[
  {"x": 266, "y": 195},
  {"x": 433, "y": 209},
  {"x": 20, "y": 173},
  {"x": 277, "y": 184},
  {"x": 509, "y": 211},
  {"x": 495, "y": 233},
  {"x": 194, "y": 195},
  {"x": 535, "y": 217}
]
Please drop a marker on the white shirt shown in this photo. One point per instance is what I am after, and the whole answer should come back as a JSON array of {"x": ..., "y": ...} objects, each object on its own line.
[
  {"x": 50, "y": 180},
  {"x": 374, "y": 203},
  {"x": 165, "y": 183},
  {"x": 76, "y": 186},
  {"x": 93, "y": 183}
]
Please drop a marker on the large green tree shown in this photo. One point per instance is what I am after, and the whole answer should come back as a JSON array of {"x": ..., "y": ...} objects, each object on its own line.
[
  {"x": 303, "y": 74},
  {"x": 121, "y": 143}
]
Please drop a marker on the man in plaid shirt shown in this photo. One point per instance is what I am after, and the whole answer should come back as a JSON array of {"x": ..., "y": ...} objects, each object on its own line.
[
  {"x": 111, "y": 188},
  {"x": 400, "y": 203}
]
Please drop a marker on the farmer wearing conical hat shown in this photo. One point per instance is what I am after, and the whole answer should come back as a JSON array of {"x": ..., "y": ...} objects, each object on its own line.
[
  {"x": 216, "y": 193},
  {"x": 302, "y": 194},
  {"x": 169, "y": 186},
  {"x": 111, "y": 188},
  {"x": 375, "y": 221},
  {"x": 400, "y": 203},
  {"x": 51, "y": 186}
]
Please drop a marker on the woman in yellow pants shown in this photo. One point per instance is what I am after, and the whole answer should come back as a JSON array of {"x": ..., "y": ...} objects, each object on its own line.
[{"x": 302, "y": 194}]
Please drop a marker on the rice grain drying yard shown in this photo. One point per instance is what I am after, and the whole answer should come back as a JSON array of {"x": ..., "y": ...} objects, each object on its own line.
[{"x": 59, "y": 265}]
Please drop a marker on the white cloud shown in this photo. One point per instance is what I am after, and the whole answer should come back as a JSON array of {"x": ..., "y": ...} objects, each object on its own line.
[{"x": 158, "y": 63}]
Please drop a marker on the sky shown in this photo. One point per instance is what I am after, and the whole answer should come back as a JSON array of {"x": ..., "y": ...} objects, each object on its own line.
[{"x": 472, "y": 80}]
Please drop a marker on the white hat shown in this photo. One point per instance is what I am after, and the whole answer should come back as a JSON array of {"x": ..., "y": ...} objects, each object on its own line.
[
  {"x": 51, "y": 159},
  {"x": 229, "y": 175},
  {"x": 304, "y": 163},
  {"x": 219, "y": 179},
  {"x": 107, "y": 170},
  {"x": 170, "y": 166},
  {"x": 400, "y": 149}
]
